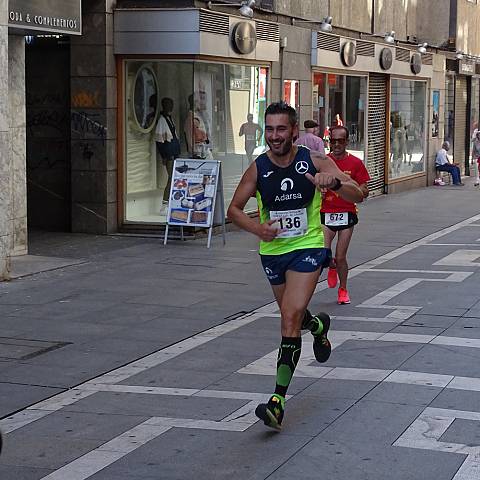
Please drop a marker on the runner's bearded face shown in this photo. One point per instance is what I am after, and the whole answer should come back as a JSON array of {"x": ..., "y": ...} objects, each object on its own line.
[{"x": 279, "y": 134}]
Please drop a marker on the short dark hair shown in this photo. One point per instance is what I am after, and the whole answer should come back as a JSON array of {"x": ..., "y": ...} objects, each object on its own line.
[
  {"x": 340, "y": 127},
  {"x": 282, "y": 108}
]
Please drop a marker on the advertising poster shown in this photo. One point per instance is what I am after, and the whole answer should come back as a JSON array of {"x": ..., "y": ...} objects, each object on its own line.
[
  {"x": 193, "y": 193},
  {"x": 435, "y": 112}
]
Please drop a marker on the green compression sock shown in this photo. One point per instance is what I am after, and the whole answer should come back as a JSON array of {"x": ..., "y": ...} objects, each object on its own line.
[
  {"x": 312, "y": 323},
  {"x": 288, "y": 357}
]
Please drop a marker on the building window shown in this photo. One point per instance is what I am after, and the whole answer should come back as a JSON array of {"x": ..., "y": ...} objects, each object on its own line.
[
  {"x": 215, "y": 111},
  {"x": 407, "y": 128},
  {"x": 449, "y": 109},
  {"x": 341, "y": 99},
  {"x": 474, "y": 112},
  {"x": 291, "y": 93}
]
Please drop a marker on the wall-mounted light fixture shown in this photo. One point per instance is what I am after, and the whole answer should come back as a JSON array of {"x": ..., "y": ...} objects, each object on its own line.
[
  {"x": 422, "y": 48},
  {"x": 246, "y": 7},
  {"x": 459, "y": 55},
  {"x": 325, "y": 24},
  {"x": 390, "y": 37}
]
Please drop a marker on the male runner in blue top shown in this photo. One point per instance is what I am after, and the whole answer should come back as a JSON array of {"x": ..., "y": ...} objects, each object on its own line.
[{"x": 288, "y": 182}]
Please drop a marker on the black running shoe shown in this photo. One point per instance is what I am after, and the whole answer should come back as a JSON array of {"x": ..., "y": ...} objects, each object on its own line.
[
  {"x": 321, "y": 345},
  {"x": 271, "y": 413}
]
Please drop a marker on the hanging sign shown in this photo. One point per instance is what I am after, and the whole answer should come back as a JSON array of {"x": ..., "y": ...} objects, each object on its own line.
[
  {"x": 196, "y": 196},
  {"x": 46, "y": 16}
]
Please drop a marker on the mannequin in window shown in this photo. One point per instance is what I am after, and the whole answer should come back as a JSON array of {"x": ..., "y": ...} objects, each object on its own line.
[
  {"x": 196, "y": 134},
  {"x": 168, "y": 145}
]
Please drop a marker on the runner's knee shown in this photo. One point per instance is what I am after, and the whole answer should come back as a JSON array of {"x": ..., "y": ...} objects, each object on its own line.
[{"x": 291, "y": 320}]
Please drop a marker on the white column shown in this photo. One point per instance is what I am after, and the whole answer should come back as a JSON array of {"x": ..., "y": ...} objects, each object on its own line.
[{"x": 5, "y": 170}]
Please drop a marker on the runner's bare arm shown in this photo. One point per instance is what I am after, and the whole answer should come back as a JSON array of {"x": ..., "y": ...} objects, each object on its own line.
[
  {"x": 330, "y": 177},
  {"x": 246, "y": 189},
  {"x": 364, "y": 189}
]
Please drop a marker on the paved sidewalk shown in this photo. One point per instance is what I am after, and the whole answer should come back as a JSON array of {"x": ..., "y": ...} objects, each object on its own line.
[{"x": 126, "y": 359}]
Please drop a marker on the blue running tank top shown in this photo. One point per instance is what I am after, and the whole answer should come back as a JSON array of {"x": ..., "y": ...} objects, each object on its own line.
[{"x": 284, "y": 193}]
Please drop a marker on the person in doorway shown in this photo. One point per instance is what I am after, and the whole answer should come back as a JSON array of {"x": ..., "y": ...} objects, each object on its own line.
[
  {"x": 287, "y": 181},
  {"x": 338, "y": 121},
  {"x": 310, "y": 138},
  {"x": 168, "y": 144},
  {"x": 339, "y": 216},
  {"x": 252, "y": 133},
  {"x": 443, "y": 164},
  {"x": 476, "y": 157}
]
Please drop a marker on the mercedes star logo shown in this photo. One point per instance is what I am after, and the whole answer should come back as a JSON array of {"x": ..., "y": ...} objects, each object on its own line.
[{"x": 301, "y": 167}]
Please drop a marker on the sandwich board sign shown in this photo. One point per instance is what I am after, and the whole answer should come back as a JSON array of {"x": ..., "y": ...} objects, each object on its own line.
[{"x": 196, "y": 196}]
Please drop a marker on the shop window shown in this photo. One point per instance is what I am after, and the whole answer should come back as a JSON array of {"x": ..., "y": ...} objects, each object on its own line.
[
  {"x": 449, "y": 120},
  {"x": 341, "y": 100},
  {"x": 214, "y": 111},
  {"x": 474, "y": 112},
  {"x": 291, "y": 93},
  {"x": 407, "y": 128}
]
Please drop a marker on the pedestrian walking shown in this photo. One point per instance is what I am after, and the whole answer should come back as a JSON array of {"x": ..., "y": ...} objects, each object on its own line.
[
  {"x": 287, "y": 182},
  {"x": 339, "y": 216},
  {"x": 310, "y": 138}
]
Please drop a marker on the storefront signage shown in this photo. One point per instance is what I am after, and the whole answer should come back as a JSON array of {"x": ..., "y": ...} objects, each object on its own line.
[
  {"x": 196, "y": 195},
  {"x": 244, "y": 37},
  {"x": 349, "y": 54},
  {"x": 240, "y": 84},
  {"x": 466, "y": 68},
  {"x": 386, "y": 58},
  {"x": 416, "y": 63},
  {"x": 50, "y": 16},
  {"x": 266, "y": 5}
]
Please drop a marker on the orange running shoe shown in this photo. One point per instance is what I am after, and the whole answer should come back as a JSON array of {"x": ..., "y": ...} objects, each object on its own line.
[
  {"x": 343, "y": 297},
  {"x": 332, "y": 277}
]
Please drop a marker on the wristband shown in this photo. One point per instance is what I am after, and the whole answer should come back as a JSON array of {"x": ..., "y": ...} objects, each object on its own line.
[{"x": 337, "y": 185}]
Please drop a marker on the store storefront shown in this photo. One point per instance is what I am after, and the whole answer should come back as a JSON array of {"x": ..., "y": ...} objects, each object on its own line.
[
  {"x": 407, "y": 127},
  {"x": 29, "y": 90},
  {"x": 213, "y": 83},
  {"x": 342, "y": 99},
  {"x": 462, "y": 109},
  {"x": 379, "y": 92}
]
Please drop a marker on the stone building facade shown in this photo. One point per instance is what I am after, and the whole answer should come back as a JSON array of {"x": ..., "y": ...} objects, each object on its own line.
[{"x": 72, "y": 144}]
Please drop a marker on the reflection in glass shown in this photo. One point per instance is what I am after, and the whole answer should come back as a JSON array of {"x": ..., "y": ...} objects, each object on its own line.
[
  {"x": 145, "y": 98},
  {"x": 341, "y": 99},
  {"x": 291, "y": 93},
  {"x": 407, "y": 127},
  {"x": 474, "y": 112},
  {"x": 449, "y": 109},
  {"x": 210, "y": 104}
]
